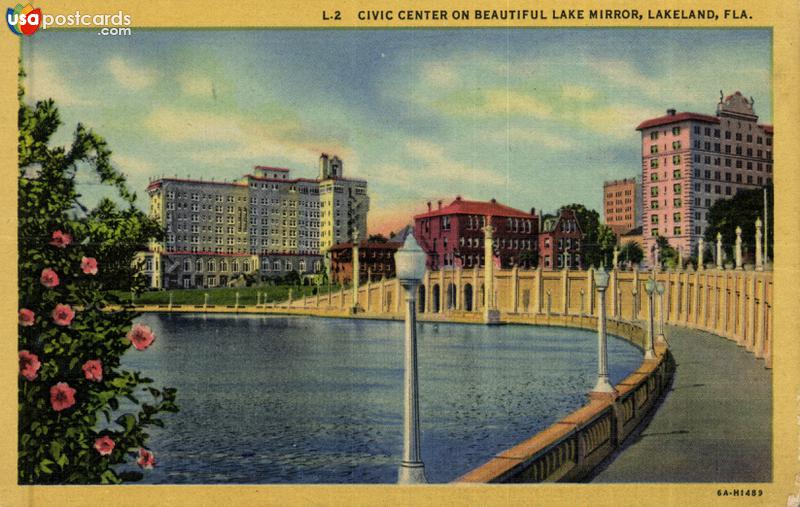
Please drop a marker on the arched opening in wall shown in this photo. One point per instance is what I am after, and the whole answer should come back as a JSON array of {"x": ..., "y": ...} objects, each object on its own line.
[
  {"x": 468, "y": 297},
  {"x": 482, "y": 296},
  {"x": 421, "y": 299},
  {"x": 435, "y": 299},
  {"x": 451, "y": 296}
]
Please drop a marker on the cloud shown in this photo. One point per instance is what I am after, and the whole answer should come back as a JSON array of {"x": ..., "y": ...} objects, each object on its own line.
[
  {"x": 578, "y": 92},
  {"x": 440, "y": 74},
  {"x": 616, "y": 120},
  {"x": 44, "y": 80},
  {"x": 432, "y": 164},
  {"x": 197, "y": 86},
  {"x": 211, "y": 137},
  {"x": 530, "y": 136},
  {"x": 129, "y": 75},
  {"x": 134, "y": 165}
]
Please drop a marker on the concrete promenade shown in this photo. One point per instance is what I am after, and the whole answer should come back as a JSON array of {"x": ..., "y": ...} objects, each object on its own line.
[{"x": 714, "y": 424}]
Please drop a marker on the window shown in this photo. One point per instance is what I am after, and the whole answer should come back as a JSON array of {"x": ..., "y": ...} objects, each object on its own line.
[
  {"x": 654, "y": 219},
  {"x": 676, "y": 174},
  {"x": 654, "y": 135},
  {"x": 654, "y": 148},
  {"x": 654, "y": 163},
  {"x": 676, "y": 159},
  {"x": 653, "y": 204},
  {"x": 677, "y": 202},
  {"x": 676, "y": 145},
  {"x": 697, "y": 129},
  {"x": 653, "y": 191},
  {"x": 676, "y": 231},
  {"x": 676, "y": 131},
  {"x": 653, "y": 176},
  {"x": 676, "y": 188},
  {"x": 676, "y": 217}
]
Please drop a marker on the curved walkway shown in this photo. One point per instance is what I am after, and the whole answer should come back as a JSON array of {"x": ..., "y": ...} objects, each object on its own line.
[{"x": 714, "y": 424}]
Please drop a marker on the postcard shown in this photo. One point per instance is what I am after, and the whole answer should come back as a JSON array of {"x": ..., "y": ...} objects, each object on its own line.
[{"x": 348, "y": 253}]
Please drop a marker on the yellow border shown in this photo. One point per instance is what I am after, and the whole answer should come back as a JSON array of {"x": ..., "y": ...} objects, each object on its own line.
[{"x": 782, "y": 16}]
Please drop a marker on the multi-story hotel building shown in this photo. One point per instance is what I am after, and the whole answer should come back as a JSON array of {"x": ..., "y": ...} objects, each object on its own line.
[
  {"x": 691, "y": 160},
  {"x": 453, "y": 235},
  {"x": 262, "y": 226},
  {"x": 622, "y": 204}
]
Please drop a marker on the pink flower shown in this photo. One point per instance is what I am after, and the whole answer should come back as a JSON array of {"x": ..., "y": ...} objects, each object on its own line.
[
  {"x": 61, "y": 239},
  {"x": 26, "y": 317},
  {"x": 28, "y": 364},
  {"x": 89, "y": 265},
  {"x": 146, "y": 459},
  {"x": 49, "y": 278},
  {"x": 62, "y": 396},
  {"x": 93, "y": 369},
  {"x": 141, "y": 336},
  {"x": 104, "y": 445},
  {"x": 63, "y": 315}
]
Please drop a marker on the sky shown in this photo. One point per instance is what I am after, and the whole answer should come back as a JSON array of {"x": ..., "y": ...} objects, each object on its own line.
[{"x": 536, "y": 118}]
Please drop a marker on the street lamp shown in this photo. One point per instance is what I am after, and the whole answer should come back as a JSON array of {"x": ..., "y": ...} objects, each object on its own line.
[
  {"x": 650, "y": 288},
  {"x": 410, "y": 267},
  {"x": 603, "y": 386},
  {"x": 660, "y": 290}
]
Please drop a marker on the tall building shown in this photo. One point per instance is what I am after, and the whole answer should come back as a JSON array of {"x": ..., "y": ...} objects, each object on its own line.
[
  {"x": 622, "y": 204},
  {"x": 344, "y": 204},
  {"x": 262, "y": 226},
  {"x": 691, "y": 160},
  {"x": 453, "y": 235}
]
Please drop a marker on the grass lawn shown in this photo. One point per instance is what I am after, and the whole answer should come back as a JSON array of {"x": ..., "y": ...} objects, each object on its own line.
[{"x": 224, "y": 296}]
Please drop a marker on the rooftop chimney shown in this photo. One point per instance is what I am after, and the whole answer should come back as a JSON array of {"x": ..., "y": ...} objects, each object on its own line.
[
  {"x": 493, "y": 200},
  {"x": 533, "y": 211},
  {"x": 671, "y": 112},
  {"x": 440, "y": 204},
  {"x": 429, "y": 206},
  {"x": 458, "y": 198}
]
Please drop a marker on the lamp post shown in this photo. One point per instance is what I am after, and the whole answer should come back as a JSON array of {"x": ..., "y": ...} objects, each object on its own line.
[
  {"x": 603, "y": 386},
  {"x": 660, "y": 290},
  {"x": 650, "y": 288},
  {"x": 410, "y": 266}
]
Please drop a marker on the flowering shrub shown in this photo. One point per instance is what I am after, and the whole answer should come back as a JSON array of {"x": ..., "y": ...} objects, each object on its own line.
[{"x": 73, "y": 331}]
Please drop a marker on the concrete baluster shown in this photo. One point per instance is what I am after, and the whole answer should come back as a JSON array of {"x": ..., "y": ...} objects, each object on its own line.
[
  {"x": 759, "y": 253},
  {"x": 738, "y": 248}
]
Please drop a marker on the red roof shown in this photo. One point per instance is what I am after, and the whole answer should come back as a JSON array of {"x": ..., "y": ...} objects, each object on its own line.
[
  {"x": 766, "y": 128},
  {"x": 462, "y": 207},
  {"x": 675, "y": 118}
]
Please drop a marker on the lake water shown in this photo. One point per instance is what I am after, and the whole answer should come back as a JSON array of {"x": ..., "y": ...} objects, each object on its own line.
[{"x": 308, "y": 400}]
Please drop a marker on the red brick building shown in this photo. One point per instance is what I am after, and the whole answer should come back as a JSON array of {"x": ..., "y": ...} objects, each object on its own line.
[
  {"x": 453, "y": 235},
  {"x": 375, "y": 259},
  {"x": 560, "y": 242},
  {"x": 622, "y": 204}
]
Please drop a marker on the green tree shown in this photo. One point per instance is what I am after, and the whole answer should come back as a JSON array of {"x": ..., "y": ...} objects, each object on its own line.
[
  {"x": 631, "y": 252},
  {"x": 667, "y": 256},
  {"x": 377, "y": 238},
  {"x": 594, "y": 251},
  {"x": 606, "y": 240},
  {"x": 742, "y": 210},
  {"x": 73, "y": 428}
]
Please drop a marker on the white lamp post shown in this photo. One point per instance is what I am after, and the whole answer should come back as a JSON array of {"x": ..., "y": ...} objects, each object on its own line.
[
  {"x": 410, "y": 266},
  {"x": 660, "y": 290},
  {"x": 650, "y": 288},
  {"x": 603, "y": 386}
]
